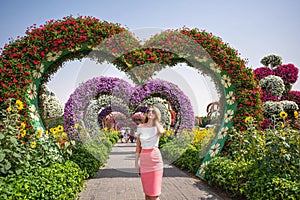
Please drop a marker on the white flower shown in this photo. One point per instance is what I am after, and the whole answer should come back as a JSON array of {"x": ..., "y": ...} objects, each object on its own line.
[
  {"x": 34, "y": 117},
  {"x": 214, "y": 150},
  {"x": 215, "y": 67},
  {"x": 223, "y": 132},
  {"x": 33, "y": 113},
  {"x": 226, "y": 81},
  {"x": 203, "y": 59},
  {"x": 228, "y": 116},
  {"x": 230, "y": 99},
  {"x": 38, "y": 72},
  {"x": 273, "y": 84},
  {"x": 53, "y": 56},
  {"x": 32, "y": 93},
  {"x": 203, "y": 165}
]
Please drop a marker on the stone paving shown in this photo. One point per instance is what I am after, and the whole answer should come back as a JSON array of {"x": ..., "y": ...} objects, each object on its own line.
[{"x": 118, "y": 180}]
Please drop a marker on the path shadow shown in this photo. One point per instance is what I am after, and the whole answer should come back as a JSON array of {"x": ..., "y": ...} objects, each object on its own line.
[
  {"x": 130, "y": 172},
  {"x": 123, "y": 153}
]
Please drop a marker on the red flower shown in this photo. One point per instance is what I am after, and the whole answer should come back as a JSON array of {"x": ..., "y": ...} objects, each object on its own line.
[{"x": 151, "y": 58}]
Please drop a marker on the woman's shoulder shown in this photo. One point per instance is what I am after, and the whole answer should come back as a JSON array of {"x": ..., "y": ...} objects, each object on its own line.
[{"x": 141, "y": 125}]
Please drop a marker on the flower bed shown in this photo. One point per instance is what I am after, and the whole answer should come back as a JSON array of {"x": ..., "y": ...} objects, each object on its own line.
[{"x": 259, "y": 164}]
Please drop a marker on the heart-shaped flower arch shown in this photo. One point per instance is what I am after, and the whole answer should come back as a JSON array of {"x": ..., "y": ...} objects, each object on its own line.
[
  {"x": 30, "y": 60},
  {"x": 81, "y": 106}
]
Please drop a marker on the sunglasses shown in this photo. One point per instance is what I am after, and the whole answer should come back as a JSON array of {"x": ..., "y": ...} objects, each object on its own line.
[{"x": 151, "y": 111}]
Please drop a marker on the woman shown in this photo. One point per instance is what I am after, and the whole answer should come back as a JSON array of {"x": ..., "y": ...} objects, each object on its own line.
[{"x": 151, "y": 164}]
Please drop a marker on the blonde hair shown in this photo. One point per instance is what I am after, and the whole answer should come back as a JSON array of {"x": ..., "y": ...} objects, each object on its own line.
[{"x": 157, "y": 114}]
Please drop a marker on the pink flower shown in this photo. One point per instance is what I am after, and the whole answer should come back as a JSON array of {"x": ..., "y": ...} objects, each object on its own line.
[
  {"x": 288, "y": 73},
  {"x": 262, "y": 72}
]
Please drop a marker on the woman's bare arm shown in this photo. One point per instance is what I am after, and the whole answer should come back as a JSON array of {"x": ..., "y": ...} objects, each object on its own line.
[
  {"x": 137, "y": 154},
  {"x": 160, "y": 129}
]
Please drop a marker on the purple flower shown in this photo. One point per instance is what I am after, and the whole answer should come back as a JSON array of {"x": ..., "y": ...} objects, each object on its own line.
[
  {"x": 170, "y": 92},
  {"x": 81, "y": 98}
]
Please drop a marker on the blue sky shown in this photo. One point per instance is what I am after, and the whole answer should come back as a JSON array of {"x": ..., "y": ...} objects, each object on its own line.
[{"x": 255, "y": 28}]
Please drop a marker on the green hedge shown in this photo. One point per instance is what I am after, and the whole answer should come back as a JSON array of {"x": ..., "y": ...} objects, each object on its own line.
[
  {"x": 246, "y": 181},
  {"x": 59, "y": 181},
  {"x": 85, "y": 160},
  {"x": 189, "y": 160}
]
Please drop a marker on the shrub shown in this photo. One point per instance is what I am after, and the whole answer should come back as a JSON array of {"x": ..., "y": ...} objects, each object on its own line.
[
  {"x": 288, "y": 73},
  {"x": 245, "y": 181},
  {"x": 85, "y": 160},
  {"x": 108, "y": 144},
  {"x": 289, "y": 106},
  {"x": 59, "y": 181},
  {"x": 263, "y": 187},
  {"x": 187, "y": 149},
  {"x": 190, "y": 160},
  {"x": 173, "y": 149},
  {"x": 263, "y": 72},
  {"x": 226, "y": 174},
  {"x": 293, "y": 96},
  {"x": 272, "y": 60},
  {"x": 166, "y": 137},
  {"x": 260, "y": 164},
  {"x": 274, "y": 84},
  {"x": 272, "y": 108},
  {"x": 21, "y": 149}
]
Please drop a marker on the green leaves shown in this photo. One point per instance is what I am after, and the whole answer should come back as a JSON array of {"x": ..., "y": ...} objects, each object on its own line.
[
  {"x": 2, "y": 156},
  {"x": 59, "y": 181},
  {"x": 265, "y": 164}
]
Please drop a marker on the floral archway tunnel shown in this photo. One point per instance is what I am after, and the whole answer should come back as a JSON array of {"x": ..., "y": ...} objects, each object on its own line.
[
  {"x": 94, "y": 99},
  {"x": 29, "y": 61},
  {"x": 171, "y": 92},
  {"x": 82, "y": 97}
]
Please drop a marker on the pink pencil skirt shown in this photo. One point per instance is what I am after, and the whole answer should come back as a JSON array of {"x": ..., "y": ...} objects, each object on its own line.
[{"x": 151, "y": 169}]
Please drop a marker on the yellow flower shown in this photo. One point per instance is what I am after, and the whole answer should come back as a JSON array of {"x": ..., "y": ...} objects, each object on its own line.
[
  {"x": 47, "y": 132},
  {"x": 33, "y": 145},
  {"x": 51, "y": 130},
  {"x": 283, "y": 115},
  {"x": 23, "y": 134},
  {"x": 75, "y": 126},
  {"x": 23, "y": 125},
  {"x": 64, "y": 135},
  {"x": 9, "y": 109},
  {"x": 296, "y": 114},
  {"x": 249, "y": 119},
  {"x": 283, "y": 150},
  {"x": 19, "y": 105},
  {"x": 282, "y": 124},
  {"x": 39, "y": 133},
  {"x": 54, "y": 130},
  {"x": 60, "y": 128}
]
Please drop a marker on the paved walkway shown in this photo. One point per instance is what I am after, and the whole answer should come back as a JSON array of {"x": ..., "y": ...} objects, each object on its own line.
[{"x": 117, "y": 180}]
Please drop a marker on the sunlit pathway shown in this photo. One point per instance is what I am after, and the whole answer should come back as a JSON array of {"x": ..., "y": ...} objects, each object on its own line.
[{"x": 118, "y": 180}]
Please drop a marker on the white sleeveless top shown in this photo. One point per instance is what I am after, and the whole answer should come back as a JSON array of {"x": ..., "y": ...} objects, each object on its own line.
[{"x": 148, "y": 137}]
